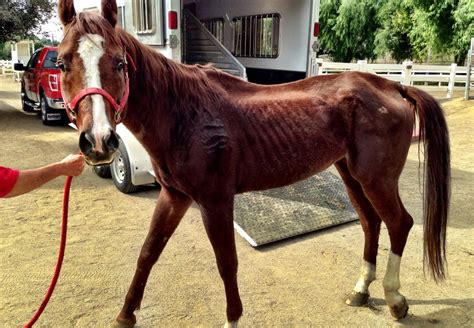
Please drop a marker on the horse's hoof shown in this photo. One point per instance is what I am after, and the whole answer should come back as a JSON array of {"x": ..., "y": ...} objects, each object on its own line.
[
  {"x": 400, "y": 310},
  {"x": 121, "y": 322},
  {"x": 231, "y": 324},
  {"x": 357, "y": 299}
]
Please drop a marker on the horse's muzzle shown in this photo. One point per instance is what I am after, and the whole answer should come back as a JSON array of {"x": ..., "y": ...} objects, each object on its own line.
[{"x": 98, "y": 152}]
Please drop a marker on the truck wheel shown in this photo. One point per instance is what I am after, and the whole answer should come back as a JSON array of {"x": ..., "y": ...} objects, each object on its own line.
[
  {"x": 26, "y": 108},
  {"x": 103, "y": 171},
  {"x": 45, "y": 110},
  {"x": 121, "y": 171}
]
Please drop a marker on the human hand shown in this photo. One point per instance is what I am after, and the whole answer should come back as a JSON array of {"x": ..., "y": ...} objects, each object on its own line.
[{"x": 72, "y": 165}]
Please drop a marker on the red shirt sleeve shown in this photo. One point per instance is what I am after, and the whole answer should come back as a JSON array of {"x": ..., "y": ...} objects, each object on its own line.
[{"x": 8, "y": 179}]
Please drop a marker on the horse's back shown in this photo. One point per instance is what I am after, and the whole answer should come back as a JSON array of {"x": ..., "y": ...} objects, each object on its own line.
[{"x": 277, "y": 135}]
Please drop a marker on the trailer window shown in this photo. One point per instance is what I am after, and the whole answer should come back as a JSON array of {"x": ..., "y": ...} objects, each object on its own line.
[
  {"x": 216, "y": 27},
  {"x": 121, "y": 16},
  {"x": 256, "y": 36},
  {"x": 143, "y": 16}
]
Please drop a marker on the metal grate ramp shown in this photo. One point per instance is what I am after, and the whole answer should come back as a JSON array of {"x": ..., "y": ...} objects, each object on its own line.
[{"x": 315, "y": 203}]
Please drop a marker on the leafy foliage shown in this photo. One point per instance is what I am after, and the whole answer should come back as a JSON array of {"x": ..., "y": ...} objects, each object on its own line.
[
  {"x": 21, "y": 18},
  {"x": 463, "y": 29},
  {"x": 392, "y": 37},
  {"x": 348, "y": 28},
  {"x": 403, "y": 29},
  {"x": 5, "y": 51}
]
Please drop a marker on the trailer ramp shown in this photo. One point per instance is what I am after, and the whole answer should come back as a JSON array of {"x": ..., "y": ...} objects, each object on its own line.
[
  {"x": 201, "y": 47},
  {"x": 309, "y": 205}
]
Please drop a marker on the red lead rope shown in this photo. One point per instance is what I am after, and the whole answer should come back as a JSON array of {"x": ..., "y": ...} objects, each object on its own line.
[{"x": 59, "y": 262}]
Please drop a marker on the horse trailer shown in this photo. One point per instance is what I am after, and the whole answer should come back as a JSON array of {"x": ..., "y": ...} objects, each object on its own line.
[{"x": 263, "y": 41}]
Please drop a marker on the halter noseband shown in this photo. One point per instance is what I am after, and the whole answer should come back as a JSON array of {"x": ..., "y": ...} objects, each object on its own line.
[{"x": 118, "y": 108}]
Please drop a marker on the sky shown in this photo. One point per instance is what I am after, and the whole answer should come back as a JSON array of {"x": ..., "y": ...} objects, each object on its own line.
[{"x": 53, "y": 27}]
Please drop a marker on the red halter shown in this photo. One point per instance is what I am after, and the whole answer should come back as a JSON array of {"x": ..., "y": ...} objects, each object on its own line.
[{"x": 71, "y": 106}]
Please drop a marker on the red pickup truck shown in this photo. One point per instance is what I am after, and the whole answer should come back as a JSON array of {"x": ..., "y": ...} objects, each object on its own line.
[{"x": 40, "y": 89}]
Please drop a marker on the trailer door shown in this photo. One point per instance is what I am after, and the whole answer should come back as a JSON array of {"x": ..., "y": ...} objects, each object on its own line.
[{"x": 313, "y": 40}]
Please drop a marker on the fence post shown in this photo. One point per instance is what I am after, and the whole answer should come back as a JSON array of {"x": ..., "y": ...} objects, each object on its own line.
[
  {"x": 406, "y": 73},
  {"x": 452, "y": 76},
  {"x": 317, "y": 66},
  {"x": 362, "y": 65},
  {"x": 470, "y": 55}
]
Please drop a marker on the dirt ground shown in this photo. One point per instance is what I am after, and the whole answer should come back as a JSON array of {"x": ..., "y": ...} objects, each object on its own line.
[{"x": 298, "y": 282}]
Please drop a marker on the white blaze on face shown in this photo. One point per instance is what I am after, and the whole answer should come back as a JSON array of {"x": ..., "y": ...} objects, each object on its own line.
[{"x": 90, "y": 50}]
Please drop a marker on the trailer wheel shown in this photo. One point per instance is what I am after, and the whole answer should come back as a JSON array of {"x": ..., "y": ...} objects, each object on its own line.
[{"x": 121, "y": 171}]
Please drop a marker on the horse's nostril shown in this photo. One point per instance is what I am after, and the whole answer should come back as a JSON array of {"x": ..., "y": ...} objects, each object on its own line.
[
  {"x": 112, "y": 141},
  {"x": 86, "y": 143}
]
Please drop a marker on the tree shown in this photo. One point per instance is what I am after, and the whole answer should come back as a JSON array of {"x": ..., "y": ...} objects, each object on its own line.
[
  {"x": 405, "y": 29},
  {"x": 348, "y": 28},
  {"x": 327, "y": 19},
  {"x": 445, "y": 26},
  {"x": 463, "y": 30},
  {"x": 392, "y": 37},
  {"x": 5, "y": 51},
  {"x": 21, "y": 18}
]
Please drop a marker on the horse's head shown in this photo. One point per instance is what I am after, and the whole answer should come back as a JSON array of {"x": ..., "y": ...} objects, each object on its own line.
[{"x": 94, "y": 79}]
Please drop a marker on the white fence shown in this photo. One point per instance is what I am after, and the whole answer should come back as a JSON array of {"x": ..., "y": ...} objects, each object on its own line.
[
  {"x": 6, "y": 70},
  {"x": 432, "y": 78}
]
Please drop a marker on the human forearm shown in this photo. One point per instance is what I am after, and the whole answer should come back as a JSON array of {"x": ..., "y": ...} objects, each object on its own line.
[{"x": 29, "y": 180}]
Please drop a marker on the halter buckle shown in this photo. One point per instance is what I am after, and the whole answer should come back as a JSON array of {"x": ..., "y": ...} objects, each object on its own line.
[
  {"x": 118, "y": 115},
  {"x": 71, "y": 111}
]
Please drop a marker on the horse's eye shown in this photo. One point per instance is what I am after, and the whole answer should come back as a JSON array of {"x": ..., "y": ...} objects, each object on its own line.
[
  {"x": 60, "y": 65},
  {"x": 120, "y": 65}
]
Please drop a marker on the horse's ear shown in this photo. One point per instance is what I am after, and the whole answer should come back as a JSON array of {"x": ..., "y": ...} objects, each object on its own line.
[
  {"x": 109, "y": 11},
  {"x": 66, "y": 11}
]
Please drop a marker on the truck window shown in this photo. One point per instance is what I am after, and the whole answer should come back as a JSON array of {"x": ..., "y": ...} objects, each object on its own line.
[
  {"x": 143, "y": 16},
  {"x": 33, "y": 60},
  {"x": 216, "y": 27},
  {"x": 50, "y": 60},
  {"x": 256, "y": 36}
]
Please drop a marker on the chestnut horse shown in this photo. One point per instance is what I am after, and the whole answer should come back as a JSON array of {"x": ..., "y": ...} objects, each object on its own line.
[{"x": 211, "y": 135}]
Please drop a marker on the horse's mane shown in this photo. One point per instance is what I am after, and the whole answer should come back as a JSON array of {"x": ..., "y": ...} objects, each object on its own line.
[{"x": 184, "y": 90}]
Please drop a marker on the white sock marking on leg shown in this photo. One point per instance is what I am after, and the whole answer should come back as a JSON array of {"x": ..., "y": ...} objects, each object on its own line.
[
  {"x": 391, "y": 281},
  {"x": 367, "y": 275},
  {"x": 231, "y": 324}
]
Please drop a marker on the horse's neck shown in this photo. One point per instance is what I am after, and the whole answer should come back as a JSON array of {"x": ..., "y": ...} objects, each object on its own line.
[{"x": 162, "y": 97}]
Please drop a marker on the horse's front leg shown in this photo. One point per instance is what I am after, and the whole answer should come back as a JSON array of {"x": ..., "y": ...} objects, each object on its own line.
[
  {"x": 170, "y": 208},
  {"x": 219, "y": 222}
]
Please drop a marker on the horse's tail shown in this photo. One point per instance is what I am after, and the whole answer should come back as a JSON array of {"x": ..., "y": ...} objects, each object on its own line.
[{"x": 433, "y": 133}]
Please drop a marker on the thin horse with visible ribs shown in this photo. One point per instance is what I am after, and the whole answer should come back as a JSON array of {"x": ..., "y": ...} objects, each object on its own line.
[{"x": 211, "y": 135}]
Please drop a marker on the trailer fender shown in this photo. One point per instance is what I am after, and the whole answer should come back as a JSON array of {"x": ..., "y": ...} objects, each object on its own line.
[{"x": 140, "y": 163}]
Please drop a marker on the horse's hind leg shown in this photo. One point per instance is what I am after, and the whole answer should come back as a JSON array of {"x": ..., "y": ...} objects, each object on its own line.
[
  {"x": 383, "y": 194},
  {"x": 370, "y": 222},
  {"x": 219, "y": 223},
  {"x": 169, "y": 210}
]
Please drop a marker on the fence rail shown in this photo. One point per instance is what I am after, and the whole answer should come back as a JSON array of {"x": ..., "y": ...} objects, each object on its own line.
[
  {"x": 6, "y": 70},
  {"x": 433, "y": 78}
]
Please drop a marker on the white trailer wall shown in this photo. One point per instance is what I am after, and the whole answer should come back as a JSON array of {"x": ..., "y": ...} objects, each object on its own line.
[{"x": 295, "y": 26}]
